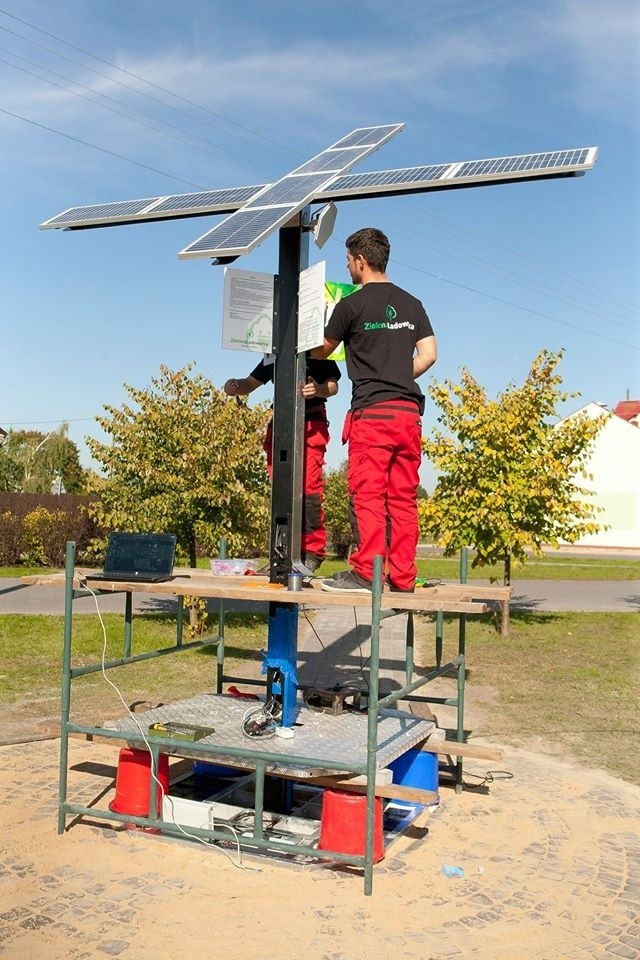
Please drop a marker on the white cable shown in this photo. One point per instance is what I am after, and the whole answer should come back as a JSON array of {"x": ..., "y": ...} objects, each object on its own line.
[{"x": 192, "y": 836}]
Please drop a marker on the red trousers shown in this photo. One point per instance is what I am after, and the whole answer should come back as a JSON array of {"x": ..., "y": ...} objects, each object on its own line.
[
  {"x": 316, "y": 438},
  {"x": 382, "y": 476}
]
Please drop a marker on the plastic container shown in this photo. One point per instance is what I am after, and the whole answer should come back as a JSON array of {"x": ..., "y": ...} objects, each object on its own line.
[
  {"x": 343, "y": 824},
  {"x": 133, "y": 782},
  {"x": 415, "y": 768},
  {"x": 202, "y": 768},
  {"x": 232, "y": 568}
]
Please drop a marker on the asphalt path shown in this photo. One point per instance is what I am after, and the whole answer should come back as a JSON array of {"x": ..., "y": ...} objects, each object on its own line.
[{"x": 528, "y": 595}]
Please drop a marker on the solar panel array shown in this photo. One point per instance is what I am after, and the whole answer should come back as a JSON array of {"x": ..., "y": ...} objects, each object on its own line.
[
  {"x": 129, "y": 211},
  {"x": 318, "y": 179},
  {"x": 279, "y": 202},
  {"x": 448, "y": 175}
]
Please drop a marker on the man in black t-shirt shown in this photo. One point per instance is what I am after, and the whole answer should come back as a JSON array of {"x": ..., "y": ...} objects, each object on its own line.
[
  {"x": 388, "y": 342},
  {"x": 321, "y": 383}
]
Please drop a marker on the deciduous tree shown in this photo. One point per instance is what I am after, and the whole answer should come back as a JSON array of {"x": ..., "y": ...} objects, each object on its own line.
[
  {"x": 185, "y": 458},
  {"x": 336, "y": 510},
  {"x": 507, "y": 471},
  {"x": 34, "y": 459}
]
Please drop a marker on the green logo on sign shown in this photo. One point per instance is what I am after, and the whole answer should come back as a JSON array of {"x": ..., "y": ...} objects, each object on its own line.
[{"x": 390, "y": 312}]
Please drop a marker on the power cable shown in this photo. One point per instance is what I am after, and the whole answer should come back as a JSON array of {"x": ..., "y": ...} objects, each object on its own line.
[
  {"x": 135, "y": 76},
  {"x": 510, "y": 254},
  {"x": 483, "y": 293},
  {"x": 536, "y": 287},
  {"x": 111, "y": 153},
  {"x": 238, "y": 161},
  {"x": 457, "y": 253}
]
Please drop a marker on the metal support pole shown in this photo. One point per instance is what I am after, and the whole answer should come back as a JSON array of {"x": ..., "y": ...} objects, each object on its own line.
[
  {"x": 439, "y": 636},
  {"x": 222, "y": 553},
  {"x": 286, "y": 487},
  {"x": 280, "y": 663},
  {"x": 65, "y": 697},
  {"x": 462, "y": 629},
  {"x": 128, "y": 617},
  {"x": 288, "y": 405},
  {"x": 180, "y": 621},
  {"x": 410, "y": 648},
  {"x": 372, "y": 723}
]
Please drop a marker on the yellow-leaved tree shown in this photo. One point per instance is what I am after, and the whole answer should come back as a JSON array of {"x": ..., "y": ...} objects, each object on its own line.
[
  {"x": 184, "y": 458},
  {"x": 507, "y": 469}
]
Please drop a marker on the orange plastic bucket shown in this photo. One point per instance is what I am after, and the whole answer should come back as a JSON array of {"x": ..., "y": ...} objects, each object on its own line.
[
  {"x": 133, "y": 782},
  {"x": 343, "y": 824}
]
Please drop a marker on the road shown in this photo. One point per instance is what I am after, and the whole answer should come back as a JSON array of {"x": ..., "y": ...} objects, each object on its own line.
[{"x": 528, "y": 595}]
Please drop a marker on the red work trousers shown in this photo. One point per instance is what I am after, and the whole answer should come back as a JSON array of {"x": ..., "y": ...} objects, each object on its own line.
[
  {"x": 382, "y": 476},
  {"x": 316, "y": 438}
]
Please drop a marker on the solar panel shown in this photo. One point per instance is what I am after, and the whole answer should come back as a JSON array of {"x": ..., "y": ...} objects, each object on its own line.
[
  {"x": 315, "y": 176},
  {"x": 130, "y": 211},
  {"x": 297, "y": 188},
  {"x": 237, "y": 231},
  {"x": 368, "y": 135},
  {"x": 288, "y": 190},
  {"x": 559, "y": 163}
]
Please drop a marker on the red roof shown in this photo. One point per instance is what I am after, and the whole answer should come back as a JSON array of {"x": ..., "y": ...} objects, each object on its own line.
[{"x": 627, "y": 409}]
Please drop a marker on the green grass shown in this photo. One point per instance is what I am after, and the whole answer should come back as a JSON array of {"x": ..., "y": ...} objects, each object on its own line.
[
  {"x": 31, "y": 663},
  {"x": 548, "y": 567},
  {"x": 564, "y": 682},
  {"x": 568, "y": 682}
]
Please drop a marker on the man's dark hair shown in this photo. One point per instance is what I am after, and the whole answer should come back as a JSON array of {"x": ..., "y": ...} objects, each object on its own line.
[{"x": 372, "y": 244}]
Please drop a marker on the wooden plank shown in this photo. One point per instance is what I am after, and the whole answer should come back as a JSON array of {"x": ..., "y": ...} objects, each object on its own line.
[
  {"x": 450, "y": 748},
  {"x": 390, "y": 791},
  {"x": 203, "y": 584}
]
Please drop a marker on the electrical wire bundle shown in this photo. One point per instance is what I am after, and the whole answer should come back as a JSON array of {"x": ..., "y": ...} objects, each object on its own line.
[{"x": 258, "y": 723}]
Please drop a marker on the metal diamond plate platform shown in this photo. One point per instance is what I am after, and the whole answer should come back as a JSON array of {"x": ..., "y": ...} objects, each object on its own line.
[{"x": 333, "y": 740}]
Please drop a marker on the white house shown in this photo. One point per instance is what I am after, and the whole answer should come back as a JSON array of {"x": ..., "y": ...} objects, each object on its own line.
[{"x": 614, "y": 466}]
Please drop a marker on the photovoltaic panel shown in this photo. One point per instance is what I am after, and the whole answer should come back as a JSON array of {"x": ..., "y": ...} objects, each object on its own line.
[
  {"x": 560, "y": 163},
  {"x": 317, "y": 176},
  {"x": 153, "y": 208},
  {"x": 297, "y": 188},
  {"x": 367, "y": 135},
  {"x": 333, "y": 160},
  {"x": 235, "y": 232},
  {"x": 533, "y": 161},
  {"x": 207, "y": 199},
  {"x": 288, "y": 190}
]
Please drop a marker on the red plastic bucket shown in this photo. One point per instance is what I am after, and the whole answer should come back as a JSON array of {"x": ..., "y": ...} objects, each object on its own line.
[
  {"x": 343, "y": 825},
  {"x": 133, "y": 781}
]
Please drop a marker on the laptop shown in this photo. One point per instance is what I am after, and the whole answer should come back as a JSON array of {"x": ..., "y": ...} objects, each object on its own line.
[{"x": 138, "y": 557}]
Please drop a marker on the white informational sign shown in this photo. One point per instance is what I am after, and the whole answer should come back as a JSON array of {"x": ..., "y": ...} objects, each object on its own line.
[
  {"x": 311, "y": 308},
  {"x": 247, "y": 313}
]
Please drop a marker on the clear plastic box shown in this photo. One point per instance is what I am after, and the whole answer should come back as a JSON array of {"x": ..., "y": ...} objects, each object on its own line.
[{"x": 232, "y": 568}]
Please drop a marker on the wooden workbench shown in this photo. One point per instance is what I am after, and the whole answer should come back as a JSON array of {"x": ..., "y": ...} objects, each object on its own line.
[{"x": 447, "y": 597}]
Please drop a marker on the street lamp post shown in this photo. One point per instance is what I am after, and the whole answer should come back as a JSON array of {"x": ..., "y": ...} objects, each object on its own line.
[{"x": 27, "y": 474}]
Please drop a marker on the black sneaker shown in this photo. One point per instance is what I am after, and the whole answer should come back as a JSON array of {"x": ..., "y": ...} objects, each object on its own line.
[
  {"x": 350, "y": 583},
  {"x": 312, "y": 561}
]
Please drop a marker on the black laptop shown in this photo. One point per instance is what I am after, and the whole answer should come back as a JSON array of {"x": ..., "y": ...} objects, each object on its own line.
[{"x": 138, "y": 557}]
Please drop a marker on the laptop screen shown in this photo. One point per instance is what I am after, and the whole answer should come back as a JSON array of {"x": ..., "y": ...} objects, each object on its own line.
[{"x": 140, "y": 553}]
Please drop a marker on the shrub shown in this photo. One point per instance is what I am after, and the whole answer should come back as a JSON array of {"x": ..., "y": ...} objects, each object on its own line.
[
  {"x": 336, "y": 511},
  {"x": 45, "y": 534},
  {"x": 10, "y": 538}
]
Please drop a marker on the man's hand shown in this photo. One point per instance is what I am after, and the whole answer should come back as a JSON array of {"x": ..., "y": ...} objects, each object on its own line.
[
  {"x": 310, "y": 389},
  {"x": 232, "y": 388},
  {"x": 242, "y": 387}
]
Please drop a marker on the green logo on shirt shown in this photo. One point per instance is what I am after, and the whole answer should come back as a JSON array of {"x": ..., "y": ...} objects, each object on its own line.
[{"x": 390, "y": 312}]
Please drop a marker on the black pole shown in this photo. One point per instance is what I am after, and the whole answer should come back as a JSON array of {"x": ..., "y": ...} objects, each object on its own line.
[{"x": 288, "y": 404}]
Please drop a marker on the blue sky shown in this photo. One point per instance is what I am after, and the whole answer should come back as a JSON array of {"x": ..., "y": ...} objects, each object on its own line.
[{"x": 241, "y": 93}]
